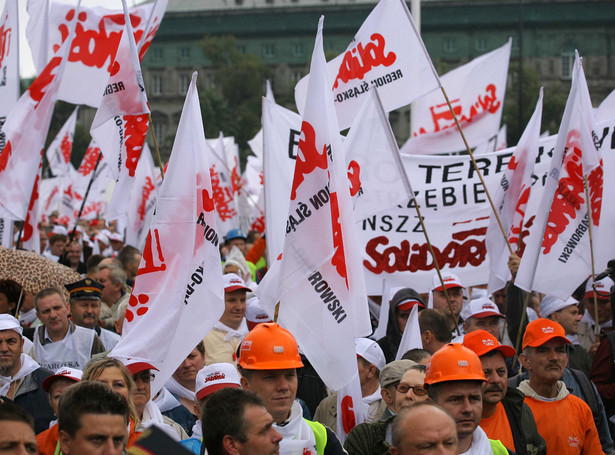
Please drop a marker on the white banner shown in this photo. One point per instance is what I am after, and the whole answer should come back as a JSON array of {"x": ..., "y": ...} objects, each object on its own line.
[
  {"x": 60, "y": 149},
  {"x": 178, "y": 294},
  {"x": 388, "y": 53},
  {"x": 9, "y": 64},
  {"x": 476, "y": 92}
]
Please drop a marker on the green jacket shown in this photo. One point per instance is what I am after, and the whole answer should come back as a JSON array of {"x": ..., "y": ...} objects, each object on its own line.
[{"x": 369, "y": 438}]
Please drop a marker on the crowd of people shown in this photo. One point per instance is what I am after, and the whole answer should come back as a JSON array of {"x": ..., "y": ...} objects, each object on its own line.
[{"x": 246, "y": 388}]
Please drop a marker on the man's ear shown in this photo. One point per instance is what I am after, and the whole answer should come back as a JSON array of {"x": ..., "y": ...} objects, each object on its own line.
[
  {"x": 371, "y": 372},
  {"x": 245, "y": 385},
  {"x": 64, "y": 440},
  {"x": 386, "y": 396},
  {"x": 523, "y": 360},
  {"x": 230, "y": 445}
]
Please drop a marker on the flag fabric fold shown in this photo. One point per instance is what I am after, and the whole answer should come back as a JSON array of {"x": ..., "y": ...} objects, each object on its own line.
[
  {"x": 178, "y": 294},
  {"x": 121, "y": 122},
  {"x": 510, "y": 200},
  {"x": 557, "y": 257},
  {"x": 59, "y": 151}
]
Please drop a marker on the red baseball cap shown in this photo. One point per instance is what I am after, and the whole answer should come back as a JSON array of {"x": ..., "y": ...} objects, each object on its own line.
[
  {"x": 482, "y": 342},
  {"x": 539, "y": 331}
]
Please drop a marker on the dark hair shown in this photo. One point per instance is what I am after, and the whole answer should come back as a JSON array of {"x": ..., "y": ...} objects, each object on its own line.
[
  {"x": 46, "y": 293},
  {"x": 88, "y": 397},
  {"x": 57, "y": 238},
  {"x": 200, "y": 347},
  {"x": 12, "y": 290},
  {"x": 127, "y": 255},
  {"x": 416, "y": 354},
  {"x": 367, "y": 364},
  {"x": 9, "y": 411},
  {"x": 437, "y": 323},
  {"x": 397, "y": 430},
  {"x": 93, "y": 262},
  {"x": 223, "y": 414}
]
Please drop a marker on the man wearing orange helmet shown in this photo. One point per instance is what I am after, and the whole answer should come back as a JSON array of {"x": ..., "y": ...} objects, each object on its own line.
[
  {"x": 268, "y": 362},
  {"x": 544, "y": 357},
  {"x": 454, "y": 381},
  {"x": 505, "y": 416}
]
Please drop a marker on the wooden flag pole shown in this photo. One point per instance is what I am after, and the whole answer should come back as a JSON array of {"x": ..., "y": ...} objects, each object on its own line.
[
  {"x": 480, "y": 174},
  {"x": 520, "y": 331},
  {"x": 151, "y": 122},
  {"x": 591, "y": 250}
]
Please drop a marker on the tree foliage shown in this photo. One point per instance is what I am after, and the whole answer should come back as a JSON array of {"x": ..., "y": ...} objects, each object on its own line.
[{"x": 233, "y": 105}]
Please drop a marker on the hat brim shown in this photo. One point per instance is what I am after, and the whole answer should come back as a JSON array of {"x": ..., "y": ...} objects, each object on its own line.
[
  {"x": 46, "y": 385},
  {"x": 540, "y": 341},
  {"x": 507, "y": 351},
  {"x": 86, "y": 297},
  {"x": 486, "y": 314},
  {"x": 409, "y": 305},
  {"x": 237, "y": 288},
  {"x": 449, "y": 286},
  {"x": 214, "y": 388},
  {"x": 138, "y": 367},
  {"x": 600, "y": 296}
]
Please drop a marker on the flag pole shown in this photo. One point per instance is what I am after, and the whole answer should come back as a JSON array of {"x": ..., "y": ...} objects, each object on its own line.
[
  {"x": 71, "y": 235},
  {"x": 520, "y": 331},
  {"x": 591, "y": 250},
  {"x": 479, "y": 173},
  {"x": 151, "y": 122},
  {"x": 406, "y": 181}
]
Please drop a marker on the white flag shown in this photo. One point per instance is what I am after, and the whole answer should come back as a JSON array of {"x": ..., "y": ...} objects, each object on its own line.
[
  {"x": 350, "y": 407},
  {"x": 30, "y": 237},
  {"x": 411, "y": 339},
  {"x": 178, "y": 294},
  {"x": 376, "y": 175},
  {"x": 142, "y": 201},
  {"x": 26, "y": 129},
  {"x": 222, "y": 183},
  {"x": 557, "y": 257},
  {"x": 121, "y": 120},
  {"x": 476, "y": 92},
  {"x": 281, "y": 131},
  {"x": 9, "y": 64},
  {"x": 495, "y": 143},
  {"x": 319, "y": 281},
  {"x": 387, "y": 52},
  {"x": 60, "y": 149},
  {"x": 511, "y": 200}
]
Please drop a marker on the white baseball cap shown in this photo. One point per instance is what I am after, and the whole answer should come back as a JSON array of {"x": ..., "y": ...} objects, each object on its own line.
[
  {"x": 450, "y": 281},
  {"x": 550, "y": 304},
  {"x": 370, "y": 351},
  {"x": 8, "y": 322},
  {"x": 255, "y": 314},
  {"x": 603, "y": 288},
  {"x": 215, "y": 377},
  {"x": 481, "y": 308},
  {"x": 233, "y": 282},
  {"x": 64, "y": 372}
]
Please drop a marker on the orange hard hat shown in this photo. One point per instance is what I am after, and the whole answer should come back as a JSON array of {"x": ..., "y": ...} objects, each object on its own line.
[
  {"x": 269, "y": 347},
  {"x": 454, "y": 362}
]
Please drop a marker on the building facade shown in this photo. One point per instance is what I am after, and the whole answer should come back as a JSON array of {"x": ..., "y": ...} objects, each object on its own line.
[{"x": 281, "y": 33}]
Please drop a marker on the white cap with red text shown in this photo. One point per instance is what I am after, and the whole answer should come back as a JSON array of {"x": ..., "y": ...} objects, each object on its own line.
[
  {"x": 215, "y": 377},
  {"x": 233, "y": 282},
  {"x": 450, "y": 281}
]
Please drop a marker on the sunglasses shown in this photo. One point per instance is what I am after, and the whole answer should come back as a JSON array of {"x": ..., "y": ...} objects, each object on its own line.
[
  {"x": 418, "y": 390},
  {"x": 145, "y": 376}
]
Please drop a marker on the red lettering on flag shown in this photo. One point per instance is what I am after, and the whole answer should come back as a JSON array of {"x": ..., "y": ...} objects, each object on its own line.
[
  {"x": 148, "y": 263},
  {"x": 222, "y": 196},
  {"x": 66, "y": 146},
  {"x": 89, "y": 161},
  {"x": 360, "y": 60},
  {"x": 339, "y": 258},
  {"x": 308, "y": 157},
  {"x": 354, "y": 177},
  {"x": 135, "y": 129},
  {"x": 5, "y": 155},
  {"x": 208, "y": 202},
  {"x": 146, "y": 192},
  {"x": 349, "y": 419},
  {"x": 38, "y": 88},
  {"x": 5, "y": 39}
]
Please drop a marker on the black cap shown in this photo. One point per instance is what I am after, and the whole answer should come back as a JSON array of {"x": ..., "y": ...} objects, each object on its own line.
[{"x": 86, "y": 289}]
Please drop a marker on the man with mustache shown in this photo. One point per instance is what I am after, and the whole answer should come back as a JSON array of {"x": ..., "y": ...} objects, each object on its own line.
[
  {"x": 564, "y": 421},
  {"x": 505, "y": 416}
]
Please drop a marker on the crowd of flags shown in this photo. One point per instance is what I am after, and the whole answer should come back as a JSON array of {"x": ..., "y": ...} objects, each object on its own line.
[{"x": 310, "y": 203}]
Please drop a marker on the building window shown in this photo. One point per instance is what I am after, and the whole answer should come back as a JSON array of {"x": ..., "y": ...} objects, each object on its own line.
[
  {"x": 481, "y": 44},
  {"x": 567, "y": 60},
  {"x": 159, "y": 131},
  {"x": 156, "y": 85},
  {"x": 184, "y": 53},
  {"x": 241, "y": 48},
  {"x": 184, "y": 83},
  {"x": 268, "y": 50},
  {"x": 297, "y": 49},
  {"x": 450, "y": 45},
  {"x": 157, "y": 53}
]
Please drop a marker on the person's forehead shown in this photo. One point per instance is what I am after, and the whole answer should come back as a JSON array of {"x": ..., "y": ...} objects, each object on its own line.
[
  {"x": 554, "y": 343},
  {"x": 9, "y": 334},
  {"x": 413, "y": 376},
  {"x": 495, "y": 359},
  {"x": 51, "y": 300},
  {"x": 14, "y": 428},
  {"x": 86, "y": 301},
  {"x": 284, "y": 372},
  {"x": 451, "y": 388},
  {"x": 433, "y": 423},
  {"x": 256, "y": 416},
  {"x": 92, "y": 423},
  {"x": 487, "y": 319}
]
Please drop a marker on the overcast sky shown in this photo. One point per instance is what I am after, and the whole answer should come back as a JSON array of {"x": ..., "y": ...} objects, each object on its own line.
[{"x": 26, "y": 65}]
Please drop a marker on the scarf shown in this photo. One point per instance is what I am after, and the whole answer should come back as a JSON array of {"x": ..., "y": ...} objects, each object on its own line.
[
  {"x": 28, "y": 365},
  {"x": 562, "y": 391},
  {"x": 371, "y": 405},
  {"x": 480, "y": 444},
  {"x": 231, "y": 333},
  {"x": 165, "y": 400},
  {"x": 589, "y": 320},
  {"x": 197, "y": 430},
  {"x": 298, "y": 437},
  {"x": 153, "y": 417},
  {"x": 176, "y": 388},
  {"x": 27, "y": 318}
]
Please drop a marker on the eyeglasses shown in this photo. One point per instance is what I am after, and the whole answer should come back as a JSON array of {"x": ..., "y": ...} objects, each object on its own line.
[
  {"x": 418, "y": 390},
  {"x": 145, "y": 376}
]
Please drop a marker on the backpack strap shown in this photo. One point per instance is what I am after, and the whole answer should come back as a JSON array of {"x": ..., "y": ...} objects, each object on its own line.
[{"x": 588, "y": 392}]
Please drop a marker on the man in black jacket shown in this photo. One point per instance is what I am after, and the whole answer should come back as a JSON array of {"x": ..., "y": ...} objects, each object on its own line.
[
  {"x": 505, "y": 416},
  {"x": 20, "y": 376}
]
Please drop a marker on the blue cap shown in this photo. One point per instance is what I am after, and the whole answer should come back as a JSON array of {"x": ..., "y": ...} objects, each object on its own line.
[{"x": 235, "y": 234}]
